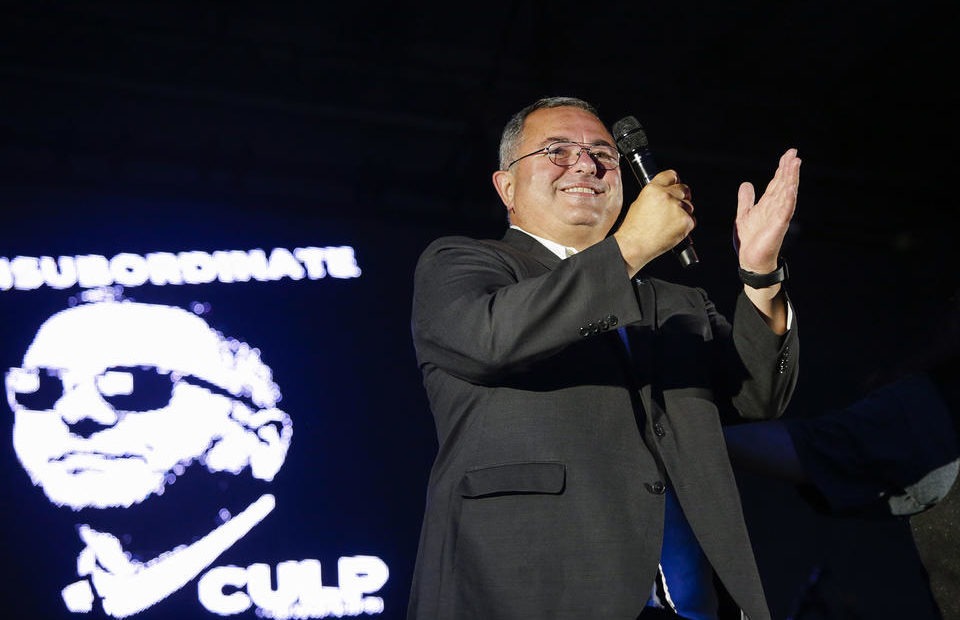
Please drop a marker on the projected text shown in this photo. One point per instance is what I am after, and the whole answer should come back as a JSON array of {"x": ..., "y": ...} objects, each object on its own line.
[{"x": 26, "y": 273}]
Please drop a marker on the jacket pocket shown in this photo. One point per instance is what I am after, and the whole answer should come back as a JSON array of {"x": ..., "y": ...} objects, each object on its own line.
[{"x": 514, "y": 478}]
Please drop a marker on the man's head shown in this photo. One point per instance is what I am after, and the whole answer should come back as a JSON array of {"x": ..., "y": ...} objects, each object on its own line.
[
  {"x": 559, "y": 172},
  {"x": 114, "y": 400}
]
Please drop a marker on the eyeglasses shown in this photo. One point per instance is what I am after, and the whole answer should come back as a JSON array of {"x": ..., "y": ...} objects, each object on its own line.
[
  {"x": 133, "y": 389},
  {"x": 566, "y": 154}
]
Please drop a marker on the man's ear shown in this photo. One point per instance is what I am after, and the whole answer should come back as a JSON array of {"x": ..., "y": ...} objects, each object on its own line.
[
  {"x": 504, "y": 182},
  {"x": 260, "y": 439}
]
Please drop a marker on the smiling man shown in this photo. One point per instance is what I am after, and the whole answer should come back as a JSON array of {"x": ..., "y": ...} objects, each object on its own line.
[{"x": 577, "y": 400}]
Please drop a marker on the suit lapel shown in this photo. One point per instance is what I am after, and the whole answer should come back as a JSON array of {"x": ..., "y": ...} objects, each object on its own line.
[{"x": 530, "y": 246}]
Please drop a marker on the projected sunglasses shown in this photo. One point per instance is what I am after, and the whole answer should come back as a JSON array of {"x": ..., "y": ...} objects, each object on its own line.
[{"x": 125, "y": 388}]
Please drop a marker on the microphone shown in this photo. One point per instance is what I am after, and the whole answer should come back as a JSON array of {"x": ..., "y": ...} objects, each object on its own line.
[{"x": 633, "y": 145}]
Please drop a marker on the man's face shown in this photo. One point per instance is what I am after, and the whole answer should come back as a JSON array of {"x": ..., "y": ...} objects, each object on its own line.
[
  {"x": 576, "y": 205},
  {"x": 115, "y": 400}
]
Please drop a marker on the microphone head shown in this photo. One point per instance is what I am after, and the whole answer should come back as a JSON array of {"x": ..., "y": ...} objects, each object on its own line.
[
  {"x": 629, "y": 135},
  {"x": 625, "y": 125}
]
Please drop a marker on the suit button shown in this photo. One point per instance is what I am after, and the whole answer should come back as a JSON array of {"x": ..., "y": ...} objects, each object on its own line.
[
  {"x": 604, "y": 324},
  {"x": 594, "y": 328},
  {"x": 784, "y": 360},
  {"x": 612, "y": 319},
  {"x": 658, "y": 429},
  {"x": 584, "y": 331},
  {"x": 657, "y": 488}
]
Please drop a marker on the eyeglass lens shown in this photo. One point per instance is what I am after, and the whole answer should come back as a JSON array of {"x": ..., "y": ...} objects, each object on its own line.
[{"x": 567, "y": 154}]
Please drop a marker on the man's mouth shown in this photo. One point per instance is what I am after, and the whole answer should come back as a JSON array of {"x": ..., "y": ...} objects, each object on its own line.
[
  {"x": 75, "y": 463},
  {"x": 580, "y": 190},
  {"x": 94, "y": 457}
]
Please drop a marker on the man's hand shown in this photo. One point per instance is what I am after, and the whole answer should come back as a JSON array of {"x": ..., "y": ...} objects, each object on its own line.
[
  {"x": 761, "y": 227},
  {"x": 659, "y": 219},
  {"x": 759, "y": 231}
]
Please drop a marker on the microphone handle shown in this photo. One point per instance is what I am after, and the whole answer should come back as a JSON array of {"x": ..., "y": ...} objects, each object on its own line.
[{"x": 644, "y": 169}]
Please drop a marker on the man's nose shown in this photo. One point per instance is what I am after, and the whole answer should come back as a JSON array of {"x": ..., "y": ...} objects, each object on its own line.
[
  {"x": 83, "y": 410},
  {"x": 586, "y": 163}
]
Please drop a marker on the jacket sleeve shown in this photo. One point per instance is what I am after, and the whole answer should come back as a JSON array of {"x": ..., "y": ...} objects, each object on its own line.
[
  {"x": 480, "y": 312},
  {"x": 769, "y": 367}
]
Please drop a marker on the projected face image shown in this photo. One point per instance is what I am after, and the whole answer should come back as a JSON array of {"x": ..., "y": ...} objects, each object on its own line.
[{"x": 114, "y": 400}]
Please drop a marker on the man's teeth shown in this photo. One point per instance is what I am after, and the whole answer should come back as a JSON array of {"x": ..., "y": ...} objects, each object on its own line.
[{"x": 580, "y": 190}]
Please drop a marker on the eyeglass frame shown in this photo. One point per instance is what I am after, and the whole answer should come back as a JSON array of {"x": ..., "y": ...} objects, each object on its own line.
[{"x": 583, "y": 147}]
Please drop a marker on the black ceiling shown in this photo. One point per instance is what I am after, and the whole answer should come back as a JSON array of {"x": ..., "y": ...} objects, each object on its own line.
[{"x": 392, "y": 109}]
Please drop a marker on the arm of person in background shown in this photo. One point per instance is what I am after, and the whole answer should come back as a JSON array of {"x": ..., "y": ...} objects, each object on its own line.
[
  {"x": 765, "y": 448},
  {"x": 895, "y": 449}
]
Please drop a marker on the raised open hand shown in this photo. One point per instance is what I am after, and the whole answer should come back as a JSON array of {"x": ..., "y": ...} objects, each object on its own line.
[{"x": 761, "y": 226}]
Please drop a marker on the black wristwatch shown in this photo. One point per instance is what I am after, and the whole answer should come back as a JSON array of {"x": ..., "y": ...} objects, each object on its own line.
[{"x": 763, "y": 280}]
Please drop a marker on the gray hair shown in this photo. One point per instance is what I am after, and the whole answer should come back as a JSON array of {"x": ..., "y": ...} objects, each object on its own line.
[{"x": 513, "y": 131}]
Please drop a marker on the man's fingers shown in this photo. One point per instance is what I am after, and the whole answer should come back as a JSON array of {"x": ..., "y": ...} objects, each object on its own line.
[
  {"x": 666, "y": 178},
  {"x": 745, "y": 197}
]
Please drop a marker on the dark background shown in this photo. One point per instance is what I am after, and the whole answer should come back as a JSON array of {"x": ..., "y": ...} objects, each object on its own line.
[{"x": 167, "y": 126}]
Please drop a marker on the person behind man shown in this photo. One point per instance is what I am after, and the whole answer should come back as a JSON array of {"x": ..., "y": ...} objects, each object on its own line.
[
  {"x": 893, "y": 453},
  {"x": 573, "y": 396}
]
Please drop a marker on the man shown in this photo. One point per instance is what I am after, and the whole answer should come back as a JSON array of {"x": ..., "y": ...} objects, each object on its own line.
[
  {"x": 573, "y": 396},
  {"x": 117, "y": 402}
]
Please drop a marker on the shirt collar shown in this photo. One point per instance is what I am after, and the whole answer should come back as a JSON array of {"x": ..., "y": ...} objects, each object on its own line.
[{"x": 563, "y": 251}]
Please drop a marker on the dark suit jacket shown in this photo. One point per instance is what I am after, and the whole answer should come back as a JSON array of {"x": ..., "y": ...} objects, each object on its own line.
[{"x": 546, "y": 496}]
